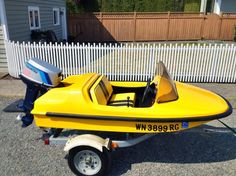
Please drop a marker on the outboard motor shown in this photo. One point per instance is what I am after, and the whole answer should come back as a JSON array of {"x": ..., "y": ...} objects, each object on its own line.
[{"x": 39, "y": 76}]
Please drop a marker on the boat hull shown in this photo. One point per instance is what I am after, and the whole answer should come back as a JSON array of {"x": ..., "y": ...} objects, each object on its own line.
[
  {"x": 114, "y": 125},
  {"x": 70, "y": 107}
]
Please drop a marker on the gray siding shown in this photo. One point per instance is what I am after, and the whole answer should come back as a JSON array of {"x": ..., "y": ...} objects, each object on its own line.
[
  {"x": 18, "y": 21},
  {"x": 3, "y": 60},
  {"x": 228, "y": 6}
]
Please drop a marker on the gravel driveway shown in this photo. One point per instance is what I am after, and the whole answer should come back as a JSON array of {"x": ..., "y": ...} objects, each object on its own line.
[{"x": 188, "y": 153}]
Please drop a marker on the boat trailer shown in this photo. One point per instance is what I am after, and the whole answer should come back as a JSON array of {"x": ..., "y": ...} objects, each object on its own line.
[{"x": 89, "y": 153}]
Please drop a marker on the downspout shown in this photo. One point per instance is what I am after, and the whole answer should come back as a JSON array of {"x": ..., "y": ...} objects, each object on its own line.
[
  {"x": 217, "y": 7},
  {"x": 4, "y": 20},
  {"x": 203, "y": 6},
  {"x": 64, "y": 36}
]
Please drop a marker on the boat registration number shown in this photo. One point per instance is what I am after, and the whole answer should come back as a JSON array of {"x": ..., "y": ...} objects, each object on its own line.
[{"x": 158, "y": 127}]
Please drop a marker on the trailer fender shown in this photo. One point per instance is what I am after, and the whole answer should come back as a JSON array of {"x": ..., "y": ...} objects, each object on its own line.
[{"x": 87, "y": 140}]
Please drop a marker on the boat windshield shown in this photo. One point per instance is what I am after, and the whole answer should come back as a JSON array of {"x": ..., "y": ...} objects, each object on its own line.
[{"x": 166, "y": 89}]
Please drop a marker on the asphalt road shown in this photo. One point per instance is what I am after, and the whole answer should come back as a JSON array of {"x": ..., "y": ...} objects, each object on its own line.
[{"x": 195, "y": 152}]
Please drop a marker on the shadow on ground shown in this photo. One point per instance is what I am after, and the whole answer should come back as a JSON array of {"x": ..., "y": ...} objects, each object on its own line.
[{"x": 182, "y": 148}]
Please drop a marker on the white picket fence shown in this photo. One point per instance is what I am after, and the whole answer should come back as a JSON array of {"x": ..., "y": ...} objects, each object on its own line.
[{"x": 131, "y": 62}]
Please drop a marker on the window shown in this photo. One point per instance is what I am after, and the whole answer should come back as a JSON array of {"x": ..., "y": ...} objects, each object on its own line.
[
  {"x": 56, "y": 16},
  {"x": 34, "y": 17}
]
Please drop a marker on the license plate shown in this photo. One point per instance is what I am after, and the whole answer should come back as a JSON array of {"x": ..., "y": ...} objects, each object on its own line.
[{"x": 169, "y": 127}]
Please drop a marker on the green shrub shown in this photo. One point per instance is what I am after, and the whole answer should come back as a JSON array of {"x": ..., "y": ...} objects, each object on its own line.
[
  {"x": 192, "y": 5},
  {"x": 71, "y": 6},
  {"x": 132, "y": 5}
]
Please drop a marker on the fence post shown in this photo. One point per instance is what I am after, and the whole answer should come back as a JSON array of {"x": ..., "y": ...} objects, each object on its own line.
[
  {"x": 202, "y": 26},
  {"x": 134, "y": 40},
  {"x": 220, "y": 26},
  {"x": 100, "y": 17},
  {"x": 168, "y": 26},
  {"x": 101, "y": 26}
]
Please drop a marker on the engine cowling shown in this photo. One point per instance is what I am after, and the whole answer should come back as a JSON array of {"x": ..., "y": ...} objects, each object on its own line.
[{"x": 39, "y": 76}]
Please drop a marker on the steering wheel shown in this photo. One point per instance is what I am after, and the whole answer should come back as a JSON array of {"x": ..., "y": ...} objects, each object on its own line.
[{"x": 146, "y": 90}]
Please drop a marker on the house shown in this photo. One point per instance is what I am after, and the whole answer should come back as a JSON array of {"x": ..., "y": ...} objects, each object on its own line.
[
  {"x": 19, "y": 18},
  {"x": 218, "y": 6}
]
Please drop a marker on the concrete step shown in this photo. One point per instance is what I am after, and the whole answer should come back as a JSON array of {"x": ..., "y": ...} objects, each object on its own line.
[
  {"x": 2, "y": 56},
  {"x": 3, "y": 70}
]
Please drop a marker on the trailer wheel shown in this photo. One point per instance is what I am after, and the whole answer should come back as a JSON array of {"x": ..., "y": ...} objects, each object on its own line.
[{"x": 84, "y": 161}]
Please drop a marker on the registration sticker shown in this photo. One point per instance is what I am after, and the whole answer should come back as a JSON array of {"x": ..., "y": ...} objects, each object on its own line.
[{"x": 184, "y": 124}]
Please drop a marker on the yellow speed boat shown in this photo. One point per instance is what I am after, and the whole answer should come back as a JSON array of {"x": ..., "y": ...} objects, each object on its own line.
[{"x": 91, "y": 102}]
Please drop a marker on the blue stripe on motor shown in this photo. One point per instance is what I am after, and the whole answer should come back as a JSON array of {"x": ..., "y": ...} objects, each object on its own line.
[{"x": 44, "y": 76}]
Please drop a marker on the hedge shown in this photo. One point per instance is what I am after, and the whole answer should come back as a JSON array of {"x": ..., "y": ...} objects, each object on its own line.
[
  {"x": 192, "y": 5},
  {"x": 132, "y": 5}
]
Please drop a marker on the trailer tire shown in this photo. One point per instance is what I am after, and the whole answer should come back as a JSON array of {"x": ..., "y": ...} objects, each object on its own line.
[{"x": 85, "y": 160}]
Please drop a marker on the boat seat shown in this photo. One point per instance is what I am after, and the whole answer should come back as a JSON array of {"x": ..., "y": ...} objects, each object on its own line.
[
  {"x": 102, "y": 93},
  {"x": 122, "y": 99}
]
